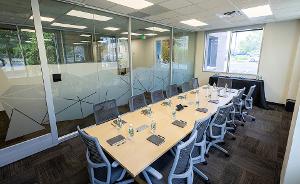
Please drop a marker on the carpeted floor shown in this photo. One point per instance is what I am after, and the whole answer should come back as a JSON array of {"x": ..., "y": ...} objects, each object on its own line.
[{"x": 256, "y": 157}]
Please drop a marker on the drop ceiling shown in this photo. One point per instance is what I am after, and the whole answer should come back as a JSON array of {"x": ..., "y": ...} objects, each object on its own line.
[{"x": 171, "y": 12}]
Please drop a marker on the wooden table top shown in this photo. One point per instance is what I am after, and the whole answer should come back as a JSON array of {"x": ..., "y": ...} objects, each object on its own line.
[{"x": 138, "y": 153}]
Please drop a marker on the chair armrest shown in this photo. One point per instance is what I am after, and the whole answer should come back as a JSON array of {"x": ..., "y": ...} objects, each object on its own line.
[
  {"x": 115, "y": 164},
  {"x": 93, "y": 164},
  {"x": 219, "y": 126},
  {"x": 154, "y": 172}
]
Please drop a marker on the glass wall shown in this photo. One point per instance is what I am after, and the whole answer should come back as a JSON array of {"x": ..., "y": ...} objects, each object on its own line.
[
  {"x": 183, "y": 56},
  {"x": 150, "y": 56},
  {"x": 23, "y": 109},
  {"x": 91, "y": 65}
]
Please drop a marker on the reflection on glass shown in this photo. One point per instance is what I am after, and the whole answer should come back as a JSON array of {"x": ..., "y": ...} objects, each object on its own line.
[
  {"x": 184, "y": 56},
  {"x": 23, "y": 110},
  {"x": 150, "y": 56}
]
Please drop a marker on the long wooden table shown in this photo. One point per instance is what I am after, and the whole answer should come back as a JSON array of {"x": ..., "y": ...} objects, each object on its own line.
[{"x": 138, "y": 153}]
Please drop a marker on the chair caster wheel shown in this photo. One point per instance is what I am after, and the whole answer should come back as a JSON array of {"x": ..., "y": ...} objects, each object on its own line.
[
  {"x": 206, "y": 155},
  {"x": 253, "y": 119},
  {"x": 207, "y": 182},
  {"x": 204, "y": 163},
  {"x": 227, "y": 155},
  {"x": 242, "y": 124}
]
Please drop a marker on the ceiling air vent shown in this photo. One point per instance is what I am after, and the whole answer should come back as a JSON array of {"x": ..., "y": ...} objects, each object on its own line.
[{"x": 230, "y": 14}]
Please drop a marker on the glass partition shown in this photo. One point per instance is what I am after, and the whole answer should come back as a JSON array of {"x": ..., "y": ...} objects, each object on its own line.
[
  {"x": 23, "y": 109},
  {"x": 150, "y": 56},
  {"x": 88, "y": 61},
  {"x": 183, "y": 56}
]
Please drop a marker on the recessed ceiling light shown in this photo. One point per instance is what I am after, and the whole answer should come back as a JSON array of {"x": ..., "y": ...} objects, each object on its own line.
[
  {"x": 84, "y": 41},
  {"x": 193, "y": 22},
  {"x": 123, "y": 38},
  {"x": 86, "y": 15},
  {"x": 135, "y": 4},
  {"x": 45, "y": 19},
  {"x": 150, "y": 34},
  {"x": 112, "y": 28},
  {"x": 85, "y": 35},
  {"x": 258, "y": 11},
  {"x": 158, "y": 29},
  {"x": 134, "y": 34},
  {"x": 68, "y": 25},
  {"x": 28, "y": 30}
]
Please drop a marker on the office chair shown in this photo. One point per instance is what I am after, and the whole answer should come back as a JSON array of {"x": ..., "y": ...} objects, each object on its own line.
[
  {"x": 195, "y": 83},
  {"x": 217, "y": 128},
  {"x": 182, "y": 168},
  {"x": 101, "y": 169},
  {"x": 248, "y": 104},
  {"x": 238, "y": 104},
  {"x": 157, "y": 96},
  {"x": 186, "y": 86},
  {"x": 222, "y": 81},
  {"x": 137, "y": 102},
  {"x": 105, "y": 111},
  {"x": 171, "y": 90}
]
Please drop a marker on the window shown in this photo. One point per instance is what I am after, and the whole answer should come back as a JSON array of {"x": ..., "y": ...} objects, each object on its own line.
[{"x": 233, "y": 51}]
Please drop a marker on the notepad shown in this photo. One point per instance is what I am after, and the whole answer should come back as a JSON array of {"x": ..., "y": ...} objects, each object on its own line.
[
  {"x": 156, "y": 139},
  {"x": 179, "y": 123},
  {"x": 204, "y": 110},
  {"x": 117, "y": 140}
]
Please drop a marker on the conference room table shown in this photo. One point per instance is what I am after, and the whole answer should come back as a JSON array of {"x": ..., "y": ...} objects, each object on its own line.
[{"x": 137, "y": 153}]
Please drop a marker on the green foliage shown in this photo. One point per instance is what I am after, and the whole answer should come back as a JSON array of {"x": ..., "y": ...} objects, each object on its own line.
[{"x": 252, "y": 43}]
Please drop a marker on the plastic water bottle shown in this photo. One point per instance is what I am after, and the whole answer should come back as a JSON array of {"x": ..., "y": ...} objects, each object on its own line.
[{"x": 130, "y": 131}]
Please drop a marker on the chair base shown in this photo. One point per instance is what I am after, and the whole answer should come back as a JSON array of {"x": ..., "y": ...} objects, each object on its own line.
[
  {"x": 201, "y": 174},
  {"x": 214, "y": 144}
]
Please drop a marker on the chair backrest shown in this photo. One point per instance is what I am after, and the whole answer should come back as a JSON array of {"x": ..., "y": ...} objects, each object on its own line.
[
  {"x": 250, "y": 92},
  {"x": 201, "y": 127},
  {"x": 238, "y": 98},
  {"x": 105, "y": 111},
  {"x": 96, "y": 155},
  {"x": 186, "y": 86},
  {"x": 195, "y": 83},
  {"x": 182, "y": 168},
  {"x": 137, "y": 101},
  {"x": 157, "y": 96},
  {"x": 222, "y": 81},
  {"x": 171, "y": 90},
  {"x": 221, "y": 114}
]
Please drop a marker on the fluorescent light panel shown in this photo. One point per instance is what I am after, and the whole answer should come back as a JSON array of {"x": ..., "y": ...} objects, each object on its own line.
[
  {"x": 135, "y": 4},
  {"x": 86, "y": 15},
  {"x": 133, "y": 34},
  {"x": 84, "y": 41},
  {"x": 112, "y": 28},
  {"x": 28, "y": 30},
  {"x": 77, "y": 43},
  {"x": 158, "y": 29},
  {"x": 193, "y": 22},
  {"x": 85, "y": 35},
  {"x": 68, "y": 25},
  {"x": 45, "y": 19},
  {"x": 123, "y": 38},
  {"x": 258, "y": 11},
  {"x": 150, "y": 34}
]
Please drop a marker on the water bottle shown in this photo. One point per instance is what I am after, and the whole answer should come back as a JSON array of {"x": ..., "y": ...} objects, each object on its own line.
[
  {"x": 153, "y": 127},
  {"x": 130, "y": 131}
]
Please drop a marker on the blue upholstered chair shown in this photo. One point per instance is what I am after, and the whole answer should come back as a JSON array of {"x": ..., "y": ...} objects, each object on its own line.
[
  {"x": 157, "y": 96},
  {"x": 105, "y": 111},
  {"x": 137, "y": 102},
  {"x": 248, "y": 104},
  {"x": 101, "y": 169}
]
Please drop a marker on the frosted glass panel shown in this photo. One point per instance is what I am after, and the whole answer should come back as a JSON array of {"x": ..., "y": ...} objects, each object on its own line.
[
  {"x": 87, "y": 66},
  {"x": 184, "y": 56},
  {"x": 23, "y": 109},
  {"x": 150, "y": 56}
]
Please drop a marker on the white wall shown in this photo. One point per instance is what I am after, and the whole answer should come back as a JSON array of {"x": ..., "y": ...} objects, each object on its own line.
[
  {"x": 291, "y": 163},
  {"x": 280, "y": 41}
]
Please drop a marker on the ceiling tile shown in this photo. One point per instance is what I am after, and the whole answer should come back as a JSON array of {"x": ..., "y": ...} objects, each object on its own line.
[
  {"x": 100, "y": 4},
  {"x": 189, "y": 10},
  {"x": 175, "y": 4},
  {"x": 155, "y": 10},
  {"x": 122, "y": 9},
  {"x": 139, "y": 14}
]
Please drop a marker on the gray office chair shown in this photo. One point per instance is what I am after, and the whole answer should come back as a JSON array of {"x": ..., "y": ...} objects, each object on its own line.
[
  {"x": 217, "y": 128},
  {"x": 157, "y": 96},
  {"x": 248, "y": 104},
  {"x": 105, "y": 111},
  {"x": 230, "y": 123},
  {"x": 171, "y": 90},
  {"x": 195, "y": 83},
  {"x": 100, "y": 168},
  {"x": 222, "y": 81},
  {"x": 238, "y": 104},
  {"x": 137, "y": 102},
  {"x": 182, "y": 168},
  {"x": 186, "y": 86}
]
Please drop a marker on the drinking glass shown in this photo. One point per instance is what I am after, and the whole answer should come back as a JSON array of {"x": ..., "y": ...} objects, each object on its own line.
[
  {"x": 153, "y": 127},
  {"x": 119, "y": 123},
  {"x": 174, "y": 114},
  {"x": 130, "y": 131}
]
